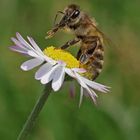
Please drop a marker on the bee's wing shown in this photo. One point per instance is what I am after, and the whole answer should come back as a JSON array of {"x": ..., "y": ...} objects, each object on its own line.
[{"x": 107, "y": 40}]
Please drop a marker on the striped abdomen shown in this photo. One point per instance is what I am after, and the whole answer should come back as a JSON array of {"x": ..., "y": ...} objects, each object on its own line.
[{"x": 91, "y": 56}]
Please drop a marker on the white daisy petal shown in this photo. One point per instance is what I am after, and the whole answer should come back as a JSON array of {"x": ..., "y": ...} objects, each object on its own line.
[
  {"x": 22, "y": 40},
  {"x": 18, "y": 49},
  {"x": 92, "y": 95},
  {"x": 83, "y": 84},
  {"x": 45, "y": 68},
  {"x": 17, "y": 43},
  {"x": 100, "y": 85},
  {"x": 34, "y": 48},
  {"x": 37, "y": 50},
  {"x": 32, "y": 53},
  {"x": 30, "y": 64},
  {"x": 69, "y": 72},
  {"x": 90, "y": 92},
  {"x": 94, "y": 85},
  {"x": 49, "y": 75},
  {"x": 79, "y": 70},
  {"x": 33, "y": 43},
  {"x": 58, "y": 78},
  {"x": 49, "y": 60}
]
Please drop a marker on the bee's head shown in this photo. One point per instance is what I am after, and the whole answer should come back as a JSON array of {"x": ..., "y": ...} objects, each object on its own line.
[{"x": 71, "y": 16}]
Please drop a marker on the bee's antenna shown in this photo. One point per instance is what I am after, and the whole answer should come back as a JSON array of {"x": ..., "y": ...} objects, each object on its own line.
[{"x": 58, "y": 12}]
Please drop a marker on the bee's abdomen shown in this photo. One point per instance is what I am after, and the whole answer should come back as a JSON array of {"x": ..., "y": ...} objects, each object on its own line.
[
  {"x": 91, "y": 57},
  {"x": 97, "y": 61}
]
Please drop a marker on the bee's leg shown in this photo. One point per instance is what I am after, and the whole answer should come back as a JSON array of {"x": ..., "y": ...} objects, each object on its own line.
[
  {"x": 84, "y": 58},
  {"x": 70, "y": 43}
]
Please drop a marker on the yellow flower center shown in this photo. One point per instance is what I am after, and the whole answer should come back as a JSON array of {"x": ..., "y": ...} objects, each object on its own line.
[
  {"x": 71, "y": 62},
  {"x": 59, "y": 54}
]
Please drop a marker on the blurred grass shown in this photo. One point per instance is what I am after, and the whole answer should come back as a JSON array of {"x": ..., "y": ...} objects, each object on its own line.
[{"x": 117, "y": 115}]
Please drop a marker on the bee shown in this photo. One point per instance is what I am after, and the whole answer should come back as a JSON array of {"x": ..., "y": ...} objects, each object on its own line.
[{"x": 91, "y": 39}]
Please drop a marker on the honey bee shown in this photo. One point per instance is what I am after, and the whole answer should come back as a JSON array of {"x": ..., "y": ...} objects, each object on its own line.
[{"x": 91, "y": 39}]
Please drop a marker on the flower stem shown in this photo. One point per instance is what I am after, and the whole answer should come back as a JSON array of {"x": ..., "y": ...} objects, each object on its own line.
[{"x": 29, "y": 124}]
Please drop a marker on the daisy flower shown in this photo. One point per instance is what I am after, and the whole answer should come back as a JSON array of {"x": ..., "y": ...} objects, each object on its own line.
[{"x": 54, "y": 65}]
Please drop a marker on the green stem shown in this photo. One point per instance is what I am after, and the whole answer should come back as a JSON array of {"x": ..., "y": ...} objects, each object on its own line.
[{"x": 29, "y": 124}]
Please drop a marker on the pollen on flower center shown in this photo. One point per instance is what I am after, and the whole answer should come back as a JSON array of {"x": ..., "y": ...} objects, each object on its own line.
[{"x": 59, "y": 54}]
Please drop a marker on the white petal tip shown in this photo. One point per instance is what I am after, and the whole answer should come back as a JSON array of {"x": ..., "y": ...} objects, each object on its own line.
[
  {"x": 55, "y": 90},
  {"x": 12, "y": 38},
  {"x": 43, "y": 81},
  {"x": 25, "y": 68},
  {"x": 17, "y": 34},
  {"x": 56, "y": 87},
  {"x": 94, "y": 99},
  {"x": 36, "y": 77}
]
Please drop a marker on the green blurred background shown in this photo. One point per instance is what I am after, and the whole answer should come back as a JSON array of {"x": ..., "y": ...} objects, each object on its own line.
[{"x": 117, "y": 116}]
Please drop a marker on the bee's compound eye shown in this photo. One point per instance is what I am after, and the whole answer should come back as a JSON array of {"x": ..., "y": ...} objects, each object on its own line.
[{"x": 75, "y": 14}]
